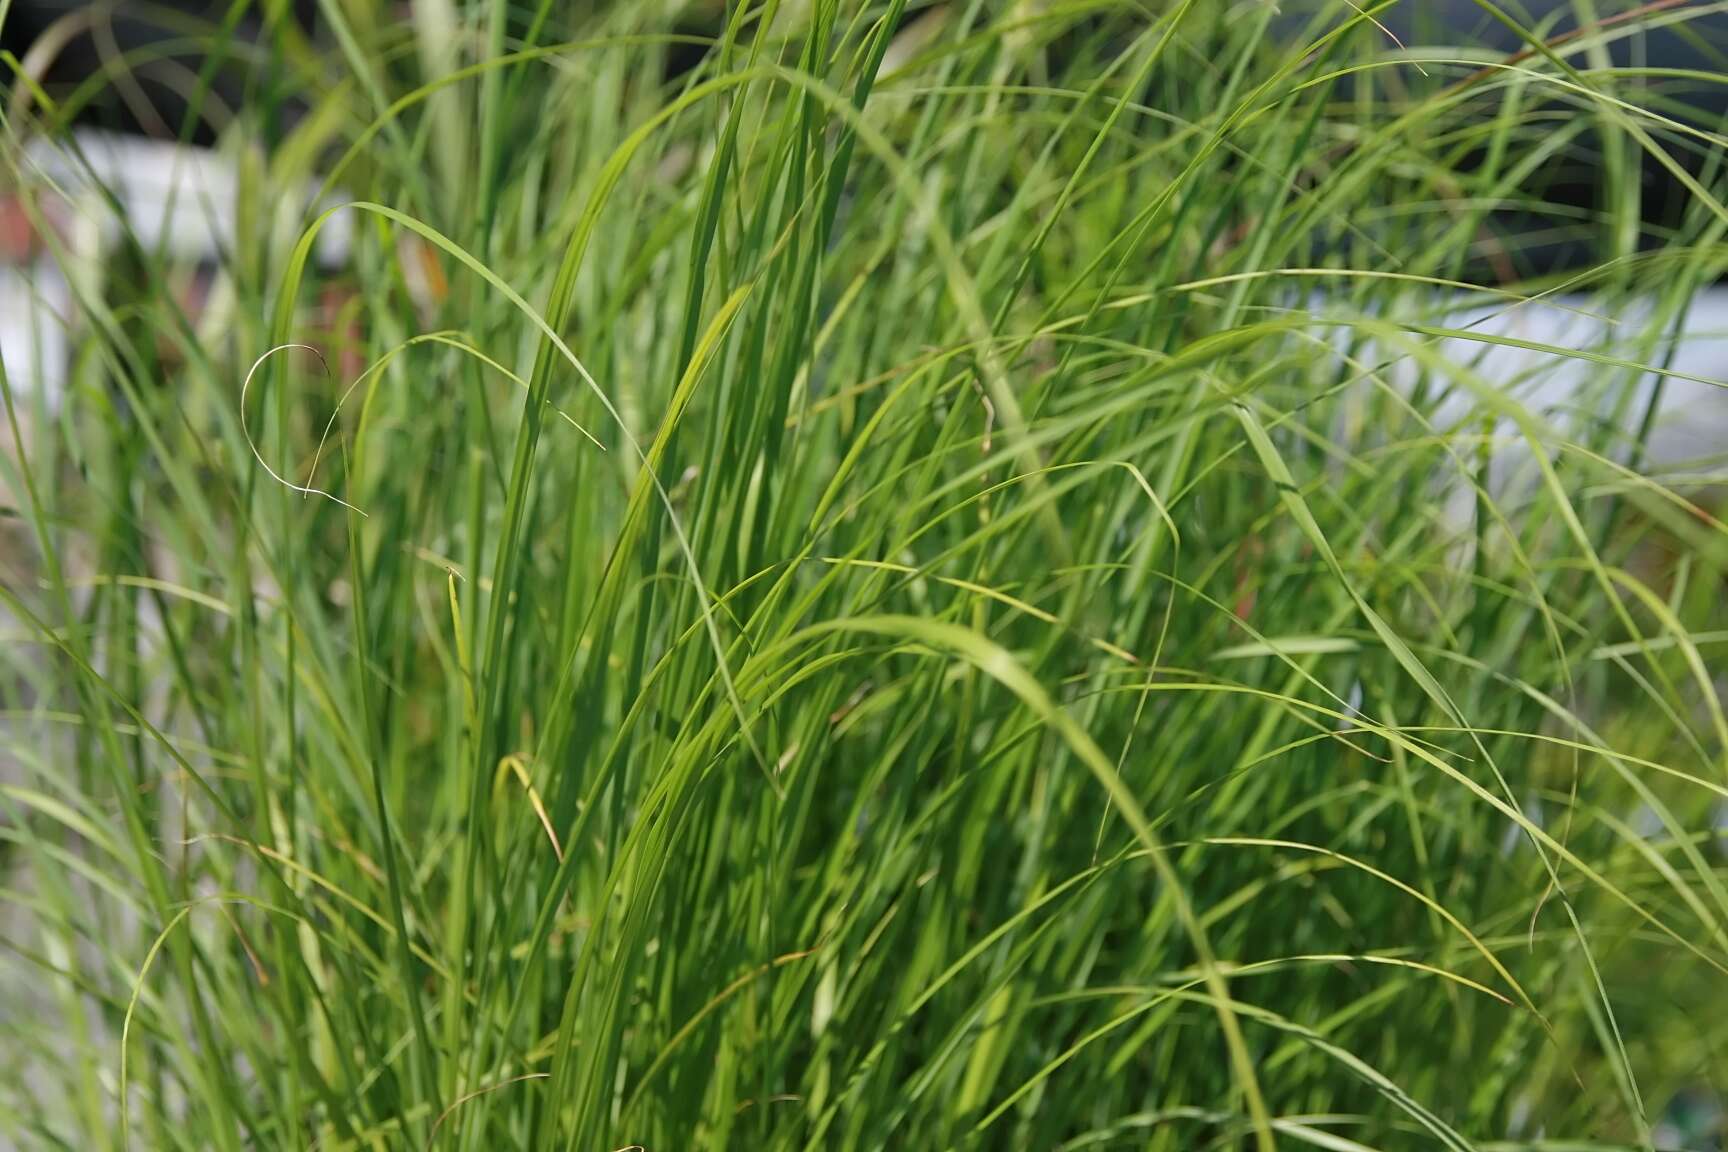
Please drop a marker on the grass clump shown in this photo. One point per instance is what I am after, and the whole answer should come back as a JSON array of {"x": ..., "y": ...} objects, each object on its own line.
[{"x": 842, "y": 575}]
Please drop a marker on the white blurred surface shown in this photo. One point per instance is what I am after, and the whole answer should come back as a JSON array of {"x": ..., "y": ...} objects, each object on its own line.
[{"x": 178, "y": 199}]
